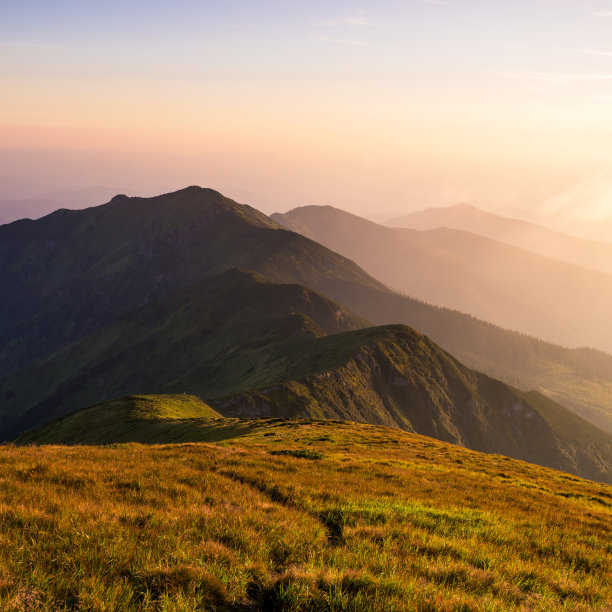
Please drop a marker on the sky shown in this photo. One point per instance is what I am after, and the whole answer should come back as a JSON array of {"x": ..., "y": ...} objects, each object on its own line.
[{"x": 376, "y": 107}]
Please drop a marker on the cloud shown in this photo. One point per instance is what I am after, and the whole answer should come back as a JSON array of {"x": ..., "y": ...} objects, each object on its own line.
[
  {"x": 590, "y": 199},
  {"x": 603, "y": 14},
  {"x": 440, "y": 2},
  {"x": 341, "y": 41},
  {"x": 358, "y": 19}
]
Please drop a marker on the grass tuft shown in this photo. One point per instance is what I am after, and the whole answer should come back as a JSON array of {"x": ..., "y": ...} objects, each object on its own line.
[{"x": 302, "y": 453}]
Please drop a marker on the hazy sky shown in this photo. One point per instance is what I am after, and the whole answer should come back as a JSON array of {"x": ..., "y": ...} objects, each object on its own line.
[{"x": 372, "y": 106}]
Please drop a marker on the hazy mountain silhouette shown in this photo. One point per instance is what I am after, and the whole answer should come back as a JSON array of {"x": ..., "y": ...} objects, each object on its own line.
[
  {"x": 571, "y": 249},
  {"x": 508, "y": 286},
  {"x": 444, "y": 264}
]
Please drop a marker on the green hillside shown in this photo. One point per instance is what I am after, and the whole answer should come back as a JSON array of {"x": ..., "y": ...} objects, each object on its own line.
[
  {"x": 257, "y": 361},
  {"x": 135, "y": 418},
  {"x": 298, "y": 515},
  {"x": 234, "y": 332}
]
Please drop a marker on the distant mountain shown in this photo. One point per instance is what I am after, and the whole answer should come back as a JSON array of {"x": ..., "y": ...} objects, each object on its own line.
[
  {"x": 579, "y": 251},
  {"x": 511, "y": 286},
  {"x": 505, "y": 285}
]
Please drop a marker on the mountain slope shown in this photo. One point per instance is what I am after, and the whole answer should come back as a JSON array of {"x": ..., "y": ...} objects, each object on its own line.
[
  {"x": 507, "y": 286},
  {"x": 394, "y": 376},
  {"x": 283, "y": 352},
  {"x": 72, "y": 271},
  {"x": 298, "y": 515},
  {"x": 586, "y": 253},
  {"x": 136, "y": 418},
  {"x": 225, "y": 334}
]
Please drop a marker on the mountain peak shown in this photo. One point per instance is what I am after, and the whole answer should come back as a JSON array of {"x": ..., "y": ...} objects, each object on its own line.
[
  {"x": 191, "y": 190},
  {"x": 196, "y": 190},
  {"x": 319, "y": 216}
]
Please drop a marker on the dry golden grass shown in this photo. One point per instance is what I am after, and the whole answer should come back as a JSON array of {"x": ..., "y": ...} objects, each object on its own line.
[{"x": 381, "y": 520}]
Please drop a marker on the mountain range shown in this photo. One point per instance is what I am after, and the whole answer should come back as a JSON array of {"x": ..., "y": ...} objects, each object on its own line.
[
  {"x": 592, "y": 254},
  {"x": 192, "y": 292},
  {"x": 74, "y": 270},
  {"x": 567, "y": 304}
]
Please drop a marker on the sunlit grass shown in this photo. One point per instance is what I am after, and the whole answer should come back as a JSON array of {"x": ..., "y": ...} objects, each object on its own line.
[{"x": 298, "y": 515}]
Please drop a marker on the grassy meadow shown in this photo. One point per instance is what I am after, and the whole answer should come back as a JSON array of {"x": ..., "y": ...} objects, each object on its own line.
[{"x": 297, "y": 515}]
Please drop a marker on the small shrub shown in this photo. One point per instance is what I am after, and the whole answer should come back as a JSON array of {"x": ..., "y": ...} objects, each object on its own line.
[{"x": 301, "y": 454}]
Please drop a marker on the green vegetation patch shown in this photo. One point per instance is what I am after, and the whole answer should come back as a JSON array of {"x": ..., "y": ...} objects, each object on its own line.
[
  {"x": 302, "y": 453},
  {"x": 167, "y": 406},
  {"x": 135, "y": 418}
]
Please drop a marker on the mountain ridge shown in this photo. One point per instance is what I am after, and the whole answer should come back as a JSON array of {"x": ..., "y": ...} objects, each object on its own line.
[
  {"x": 90, "y": 266},
  {"x": 595, "y": 254},
  {"x": 162, "y": 418},
  {"x": 200, "y": 326}
]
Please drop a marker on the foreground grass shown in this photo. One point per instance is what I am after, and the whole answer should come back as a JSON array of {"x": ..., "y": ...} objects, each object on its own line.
[{"x": 311, "y": 515}]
